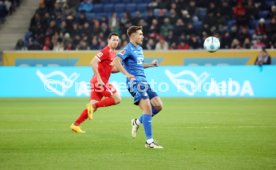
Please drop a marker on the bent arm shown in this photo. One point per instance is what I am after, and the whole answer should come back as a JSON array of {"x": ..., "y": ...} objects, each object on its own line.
[
  {"x": 94, "y": 63},
  {"x": 154, "y": 63},
  {"x": 115, "y": 70},
  {"x": 148, "y": 65},
  {"x": 118, "y": 64}
]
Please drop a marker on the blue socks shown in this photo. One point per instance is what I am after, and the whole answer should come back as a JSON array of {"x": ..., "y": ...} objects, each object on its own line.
[
  {"x": 154, "y": 112},
  {"x": 146, "y": 120}
]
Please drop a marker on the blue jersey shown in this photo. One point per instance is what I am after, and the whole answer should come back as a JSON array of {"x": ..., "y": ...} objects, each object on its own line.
[{"x": 133, "y": 60}]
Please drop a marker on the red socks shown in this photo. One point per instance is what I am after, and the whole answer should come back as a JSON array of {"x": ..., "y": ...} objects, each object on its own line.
[
  {"x": 105, "y": 102},
  {"x": 82, "y": 117}
]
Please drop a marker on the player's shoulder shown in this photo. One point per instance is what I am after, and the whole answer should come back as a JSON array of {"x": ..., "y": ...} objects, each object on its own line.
[
  {"x": 125, "y": 50},
  {"x": 106, "y": 49},
  {"x": 140, "y": 48},
  {"x": 128, "y": 47}
]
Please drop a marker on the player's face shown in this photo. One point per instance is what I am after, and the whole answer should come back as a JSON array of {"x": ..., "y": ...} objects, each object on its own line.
[
  {"x": 113, "y": 42},
  {"x": 138, "y": 37}
]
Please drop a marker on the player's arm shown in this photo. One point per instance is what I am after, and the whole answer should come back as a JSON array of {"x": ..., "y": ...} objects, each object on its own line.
[
  {"x": 115, "y": 70},
  {"x": 154, "y": 63},
  {"x": 94, "y": 63},
  {"x": 118, "y": 65}
]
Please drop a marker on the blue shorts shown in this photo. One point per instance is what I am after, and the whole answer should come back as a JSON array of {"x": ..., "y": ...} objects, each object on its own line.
[{"x": 140, "y": 90}]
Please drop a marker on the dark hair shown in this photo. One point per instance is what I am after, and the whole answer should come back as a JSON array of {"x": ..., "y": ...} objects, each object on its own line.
[
  {"x": 133, "y": 29},
  {"x": 112, "y": 34}
]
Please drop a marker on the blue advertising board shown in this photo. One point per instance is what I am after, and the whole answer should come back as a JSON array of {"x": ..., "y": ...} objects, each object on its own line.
[{"x": 176, "y": 81}]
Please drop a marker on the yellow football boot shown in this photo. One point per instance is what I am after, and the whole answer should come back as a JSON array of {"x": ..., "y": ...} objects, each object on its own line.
[{"x": 76, "y": 129}]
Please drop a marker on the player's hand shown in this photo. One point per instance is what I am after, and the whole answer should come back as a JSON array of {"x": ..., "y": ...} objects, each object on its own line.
[
  {"x": 155, "y": 63},
  {"x": 100, "y": 82},
  {"x": 130, "y": 77}
]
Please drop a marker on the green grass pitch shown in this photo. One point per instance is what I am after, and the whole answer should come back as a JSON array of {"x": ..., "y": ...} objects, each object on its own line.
[{"x": 196, "y": 134}]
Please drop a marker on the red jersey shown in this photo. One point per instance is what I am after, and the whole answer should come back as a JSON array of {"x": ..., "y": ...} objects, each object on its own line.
[{"x": 105, "y": 57}]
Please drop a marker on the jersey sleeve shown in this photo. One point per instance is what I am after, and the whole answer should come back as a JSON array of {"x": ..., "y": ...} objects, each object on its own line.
[
  {"x": 123, "y": 54},
  {"x": 102, "y": 55}
]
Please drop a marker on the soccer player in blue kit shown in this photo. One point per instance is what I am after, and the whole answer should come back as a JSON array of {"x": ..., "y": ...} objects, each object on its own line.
[{"x": 130, "y": 61}]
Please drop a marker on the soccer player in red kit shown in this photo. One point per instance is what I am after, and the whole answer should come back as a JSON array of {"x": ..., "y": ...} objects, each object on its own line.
[{"x": 102, "y": 94}]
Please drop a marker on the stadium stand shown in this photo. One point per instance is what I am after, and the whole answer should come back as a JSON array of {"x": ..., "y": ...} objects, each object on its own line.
[
  {"x": 180, "y": 24},
  {"x": 8, "y": 7}
]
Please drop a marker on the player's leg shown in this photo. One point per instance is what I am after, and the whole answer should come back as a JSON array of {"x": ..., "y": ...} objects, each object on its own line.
[
  {"x": 138, "y": 95},
  {"x": 95, "y": 97},
  {"x": 82, "y": 117},
  {"x": 155, "y": 101},
  {"x": 156, "y": 104},
  {"x": 141, "y": 98},
  {"x": 156, "y": 107},
  {"x": 75, "y": 127},
  {"x": 145, "y": 106},
  {"x": 111, "y": 97}
]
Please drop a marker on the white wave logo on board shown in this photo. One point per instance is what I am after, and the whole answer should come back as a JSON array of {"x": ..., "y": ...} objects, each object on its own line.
[
  {"x": 190, "y": 83},
  {"x": 57, "y": 81},
  {"x": 184, "y": 85}
]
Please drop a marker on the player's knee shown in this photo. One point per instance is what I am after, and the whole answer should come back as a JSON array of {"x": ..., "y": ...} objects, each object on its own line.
[
  {"x": 147, "y": 109},
  {"x": 158, "y": 107}
]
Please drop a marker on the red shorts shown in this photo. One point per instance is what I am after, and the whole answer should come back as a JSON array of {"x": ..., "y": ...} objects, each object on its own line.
[{"x": 98, "y": 92}]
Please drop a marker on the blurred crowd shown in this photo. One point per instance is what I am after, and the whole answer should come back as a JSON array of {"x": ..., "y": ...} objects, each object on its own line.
[
  {"x": 7, "y": 7},
  {"x": 167, "y": 24}
]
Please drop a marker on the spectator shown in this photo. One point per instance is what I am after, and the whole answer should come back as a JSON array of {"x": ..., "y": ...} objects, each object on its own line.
[
  {"x": 82, "y": 45},
  {"x": 240, "y": 13},
  {"x": 20, "y": 45},
  {"x": 94, "y": 44},
  {"x": 191, "y": 7},
  {"x": 162, "y": 44},
  {"x": 3, "y": 11},
  {"x": 154, "y": 27},
  {"x": 246, "y": 43},
  {"x": 179, "y": 27},
  {"x": 183, "y": 46},
  {"x": 114, "y": 22},
  {"x": 171, "y": 37},
  {"x": 166, "y": 27},
  {"x": 263, "y": 58},
  {"x": 86, "y": 6},
  {"x": 260, "y": 35},
  {"x": 55, "y": 18},
  {"x": 271, "y": 31},
  {"x": 194, "y": 43},
  {"x": 225, "y": 10},
  {"x": 153, "y": 4},
  {"x": 235, "y": 44},
  {"x": 47, "y": 45},
  {"x": 244, "y": 34},
  {"x": 82, "y": 18},
  {"x": 257, "y": 44},
  {"x": 58, "y": 45},
  {"x": 173, "y": 16},
  {"x": 34, "y": 45},
  {"x": 273, "y": 11},
  {"x": 150, "y": 45},
  {"x": 251, "y": 9},
  {"x": 261, "y": 28},
  {"x": 73, "y": 3}
]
